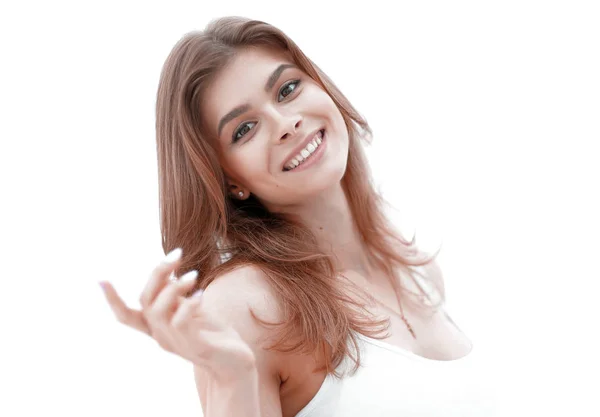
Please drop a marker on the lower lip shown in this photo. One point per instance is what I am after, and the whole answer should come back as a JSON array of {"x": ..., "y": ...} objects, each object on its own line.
[{"x": 314, "y": 157}]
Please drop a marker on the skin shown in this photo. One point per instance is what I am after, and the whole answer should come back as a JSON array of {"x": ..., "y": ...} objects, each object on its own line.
[
  {"x": 188, "y": 327},
  {"x": 216, "y": 331},
  {"x": 278, "y": 120},
  {"x": 227, "y": 365}
]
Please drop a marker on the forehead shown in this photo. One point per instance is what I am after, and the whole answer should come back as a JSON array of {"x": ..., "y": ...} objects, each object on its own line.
[{"x": 240, "y": 81}]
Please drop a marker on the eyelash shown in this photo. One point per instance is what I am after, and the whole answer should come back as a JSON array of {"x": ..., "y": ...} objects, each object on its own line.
[{"x": 293, "y": 82}]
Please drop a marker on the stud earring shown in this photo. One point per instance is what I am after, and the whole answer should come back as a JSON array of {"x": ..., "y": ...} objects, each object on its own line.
[{"x": 241, "y": 193}]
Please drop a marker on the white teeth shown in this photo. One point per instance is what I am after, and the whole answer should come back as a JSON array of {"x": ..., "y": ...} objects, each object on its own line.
[{"x": 306, "y": 152}]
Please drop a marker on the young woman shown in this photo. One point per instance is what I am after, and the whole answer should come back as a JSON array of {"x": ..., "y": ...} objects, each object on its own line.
[{"x": 310, "y": 299}]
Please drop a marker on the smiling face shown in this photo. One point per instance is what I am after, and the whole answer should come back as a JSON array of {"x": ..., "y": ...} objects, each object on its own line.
[{"x": 264, "y": 111}]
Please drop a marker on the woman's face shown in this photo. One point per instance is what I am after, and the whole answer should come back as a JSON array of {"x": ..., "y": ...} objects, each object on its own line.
[{"x": 264, "y": 112}]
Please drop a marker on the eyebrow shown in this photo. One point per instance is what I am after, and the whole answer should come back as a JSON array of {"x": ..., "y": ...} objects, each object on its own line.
[{"x": 245, "y": 107}]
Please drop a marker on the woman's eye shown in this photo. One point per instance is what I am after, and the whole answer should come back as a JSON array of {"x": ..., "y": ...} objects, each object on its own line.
[
  {"x": 242, "y": 130},
  {"x": 294, "y": 83}
]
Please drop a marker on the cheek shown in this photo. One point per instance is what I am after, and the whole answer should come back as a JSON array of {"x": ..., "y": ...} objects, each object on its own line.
[
  {"x": 324, "y": 105},
  {"x": 250, "y": 164},
  {"x": 321, "y": 102}
]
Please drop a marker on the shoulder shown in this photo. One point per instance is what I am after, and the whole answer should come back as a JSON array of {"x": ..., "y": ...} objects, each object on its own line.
[
  {"x": 245, "y": 277},
  {"x": 235, "y": 292},
  {"x": 230, "y": 297},
  {"x": 233, "y": 295}
]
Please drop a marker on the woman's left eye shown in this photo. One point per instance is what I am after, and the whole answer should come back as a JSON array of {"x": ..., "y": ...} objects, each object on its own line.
[{"x": 294, "y": 83}]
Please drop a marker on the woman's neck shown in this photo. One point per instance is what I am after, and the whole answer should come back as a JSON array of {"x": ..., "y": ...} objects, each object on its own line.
[{"x": 330, "y": 218}]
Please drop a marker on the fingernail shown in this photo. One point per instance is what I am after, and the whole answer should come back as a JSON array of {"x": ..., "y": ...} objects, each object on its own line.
[
  {"x": 198, "y": 293},
  {"x": 189, "y": 276},
  {"x": 101, "y": 283},
  {"x": 173, "y": 256}
]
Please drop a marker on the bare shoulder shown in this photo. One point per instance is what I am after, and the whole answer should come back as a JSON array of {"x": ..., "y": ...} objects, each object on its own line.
[
  {"x": 247, "y": 280},
  {"x": 233, "y": 295},
  {"x": 230, "y": 297},
  {"x": 234, "y": 292}
]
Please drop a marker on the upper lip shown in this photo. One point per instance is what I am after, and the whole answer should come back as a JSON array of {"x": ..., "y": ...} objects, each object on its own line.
[{"x": 308, "y": 138}]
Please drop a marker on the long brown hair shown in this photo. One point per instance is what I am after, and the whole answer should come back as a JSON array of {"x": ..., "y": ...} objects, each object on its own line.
[{"x": 218, "y": 233}]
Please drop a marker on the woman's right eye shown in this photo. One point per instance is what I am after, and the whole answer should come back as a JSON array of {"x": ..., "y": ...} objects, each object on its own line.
[{"x": 242, "y": 130}]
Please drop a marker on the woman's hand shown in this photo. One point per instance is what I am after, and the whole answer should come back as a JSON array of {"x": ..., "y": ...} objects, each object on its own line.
[{"x": 179, "y": 324}]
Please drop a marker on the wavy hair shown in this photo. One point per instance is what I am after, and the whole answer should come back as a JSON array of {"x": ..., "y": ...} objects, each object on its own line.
[{"x": 218, "y": 233}]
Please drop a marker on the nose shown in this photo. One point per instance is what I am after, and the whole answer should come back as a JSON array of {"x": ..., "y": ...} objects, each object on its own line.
[{"x": 289, "y": 127}]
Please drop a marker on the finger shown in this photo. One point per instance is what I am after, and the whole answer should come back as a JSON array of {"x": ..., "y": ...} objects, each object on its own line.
[
  {"x": 167, "y": 302},
  {"x": 187, "y": 311},
  {"x": 158, "y": 314},
  {"x": 124, "y": 314},
  {"x": 159, "y": 277},
  {"x": 193, "y": 332}
]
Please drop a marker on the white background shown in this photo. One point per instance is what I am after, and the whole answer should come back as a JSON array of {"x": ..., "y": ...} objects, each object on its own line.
[{"x": 486, "y": 126}]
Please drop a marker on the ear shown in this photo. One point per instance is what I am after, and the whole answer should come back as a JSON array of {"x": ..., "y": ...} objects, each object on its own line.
[{"x": 237, "y": 191}]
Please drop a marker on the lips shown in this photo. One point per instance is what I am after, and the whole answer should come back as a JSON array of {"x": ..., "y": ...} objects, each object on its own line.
[{"x": 301, "y": 146}]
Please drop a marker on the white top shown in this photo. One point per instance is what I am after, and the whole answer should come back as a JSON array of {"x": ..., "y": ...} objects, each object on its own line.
[{"x": 393, "y": 382}]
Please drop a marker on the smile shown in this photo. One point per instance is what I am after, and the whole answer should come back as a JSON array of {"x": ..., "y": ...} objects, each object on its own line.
[{"x": 311, "y": 151}]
